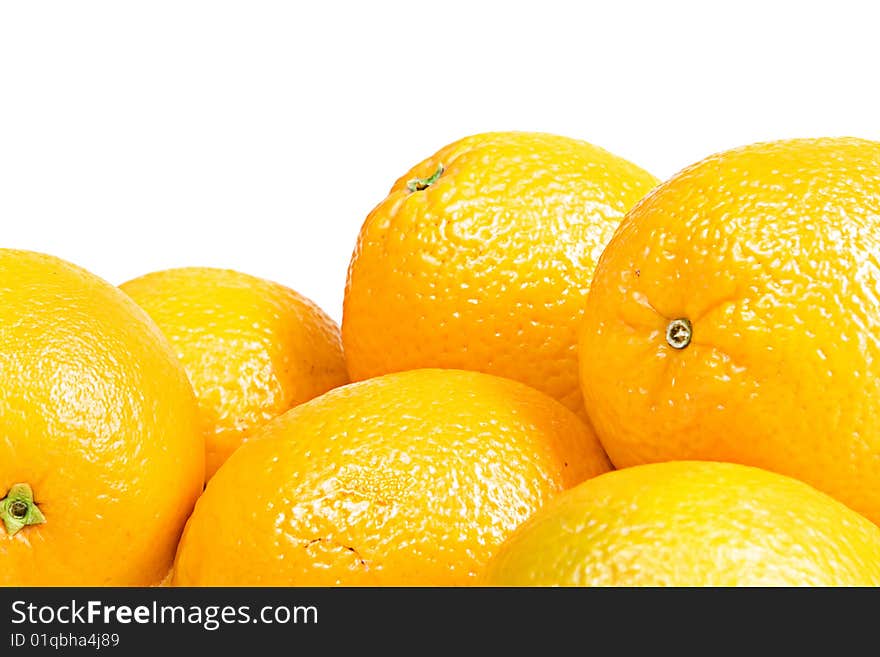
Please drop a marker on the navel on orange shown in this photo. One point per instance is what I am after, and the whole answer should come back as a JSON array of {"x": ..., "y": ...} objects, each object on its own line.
[
  {"x": 411, "y": 478},
  {"x": 481, "y": 256},
  {"x": 252, "y": 348},
  {"x": 735, "y": 316},
  {"x": 690, "y": 523},
  {"x": 101, "y": 457}
]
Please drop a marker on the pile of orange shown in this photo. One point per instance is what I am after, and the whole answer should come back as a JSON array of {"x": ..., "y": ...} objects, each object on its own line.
[{"x": 552, "y": 369}]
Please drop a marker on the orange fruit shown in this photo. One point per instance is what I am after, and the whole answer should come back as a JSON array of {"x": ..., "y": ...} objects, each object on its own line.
[
  {"x": 405, "y": 479},
  {"x": 734, "y": 317},
  {"x": 252, "y": 348},
  {"x": 101, "y": 459},
  {"x": 690, "y": 523},
  {"x": 481, "y": 256}
]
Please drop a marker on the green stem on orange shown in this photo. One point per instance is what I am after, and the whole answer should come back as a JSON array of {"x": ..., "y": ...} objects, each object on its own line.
[
  {"x": 679, "y": 333},
  {"x": 418, "y": 184},
  {"x": 18, "y": 509}
]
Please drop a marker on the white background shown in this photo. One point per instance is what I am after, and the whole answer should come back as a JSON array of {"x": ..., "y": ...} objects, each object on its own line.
[{"x": 136, "y": 136}]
